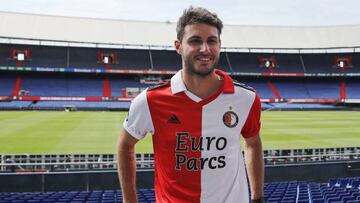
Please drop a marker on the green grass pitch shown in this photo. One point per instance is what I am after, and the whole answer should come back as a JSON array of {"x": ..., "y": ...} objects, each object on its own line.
[{"x": 24, "y": 132}]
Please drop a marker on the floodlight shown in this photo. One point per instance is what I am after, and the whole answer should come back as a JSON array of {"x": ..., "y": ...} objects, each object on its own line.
[
  {"x": 341, "y": 64},
  {"x": 106, "y": 59},
  {"x": 267, "y": 63},
  {"x": 20, "y": 56}
]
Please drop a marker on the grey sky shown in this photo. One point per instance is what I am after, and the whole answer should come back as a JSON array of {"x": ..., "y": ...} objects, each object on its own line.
[{"x": 240, "y": 12}]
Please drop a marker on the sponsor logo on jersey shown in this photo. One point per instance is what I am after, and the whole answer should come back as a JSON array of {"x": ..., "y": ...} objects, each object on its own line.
[
  {"x": 186, "y": 143},
  {"x": 230, "y": 119}
]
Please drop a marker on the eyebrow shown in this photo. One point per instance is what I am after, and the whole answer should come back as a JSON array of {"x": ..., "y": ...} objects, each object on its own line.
[
  {"x": 194, "y": 37},
  {"x": 213, "y": 37},
  {"x": 198, "y": 37}
]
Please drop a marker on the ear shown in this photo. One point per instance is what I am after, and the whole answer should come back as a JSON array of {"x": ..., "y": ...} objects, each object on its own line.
[{"x": 177, "y": 44}]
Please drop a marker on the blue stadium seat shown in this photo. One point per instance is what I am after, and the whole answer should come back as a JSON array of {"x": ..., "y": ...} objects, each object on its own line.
[
  {"x": 344, "y": 182},
  {"x": 332, "y": 182},
  {"x": 318, "y": 200},
  {"x": 33, "y": 201},
  {"x": 279, "y": 192},
  {"x": 353, "y": 201},
  {"x": 355, "y": 183}
]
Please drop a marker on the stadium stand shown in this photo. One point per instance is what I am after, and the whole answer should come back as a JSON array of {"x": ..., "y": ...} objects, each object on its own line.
[
  {"x": 291, "y": 88},
  {"x": 94, "y": 85},
  {"x": 48, "y": 56},
  {"x": 7, "y": 84},
  {"x": 135, "y": 59},
  {"x": 345, "y": 190},
  {"x": 319, "y": 63},
  {"x": 166, "y": 60},
  {"x": 289, "y": 63},
  {"x": 323, "y": 89},
  {"x": 16, "y": 104},
  {"x": 261, "y": 86},
  {"x": 118, "y": 85},
  {"x": 309, "y": 88},
  {"x": 336, "y": 190},
  {"x": 353, "y": 89},
  {"x": 102, "y": 196},
  {"x": 80, "y": 105},
  {"x": 224, "y": 62},
  {"x": 244, "y": 63},
  {"x": 42, "y": 85},
  {"x": 83, "y": 58},
  {"x": 142, "y": 59},
  {"x": 65, "y": 85},
  {"x": 356, "y": 63}
]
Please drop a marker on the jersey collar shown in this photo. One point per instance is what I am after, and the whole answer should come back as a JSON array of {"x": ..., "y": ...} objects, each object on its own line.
[{"x": 177, "y": 84}]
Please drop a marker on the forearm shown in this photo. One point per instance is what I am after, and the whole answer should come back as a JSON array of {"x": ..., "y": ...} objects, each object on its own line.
[
  {"x": 127, "y": 172},
  {"x": 255, "y": 168}
]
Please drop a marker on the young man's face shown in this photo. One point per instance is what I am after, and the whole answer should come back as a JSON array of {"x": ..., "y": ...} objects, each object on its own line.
[{"x": 199, "y": 48}]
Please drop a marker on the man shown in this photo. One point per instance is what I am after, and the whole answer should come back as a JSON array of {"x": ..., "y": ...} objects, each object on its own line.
[{"x": 196, "y": 120}]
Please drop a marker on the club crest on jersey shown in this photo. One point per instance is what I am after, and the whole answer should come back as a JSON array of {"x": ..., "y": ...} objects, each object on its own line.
[{"x": 230, "y": 119}]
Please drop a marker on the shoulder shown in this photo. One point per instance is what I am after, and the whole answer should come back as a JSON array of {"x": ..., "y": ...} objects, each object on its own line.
[
  {"x": 163, "y": 84},
  {"x": 140, "y": 100},
  {"x": 243, "y": 86}
]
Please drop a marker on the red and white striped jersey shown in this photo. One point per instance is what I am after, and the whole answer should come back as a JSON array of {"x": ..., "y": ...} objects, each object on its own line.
[{"x": 197, "y": 142}]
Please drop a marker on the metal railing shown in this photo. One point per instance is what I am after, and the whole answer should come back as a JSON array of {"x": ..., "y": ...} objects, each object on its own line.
[{"x": 81, "y": 162}]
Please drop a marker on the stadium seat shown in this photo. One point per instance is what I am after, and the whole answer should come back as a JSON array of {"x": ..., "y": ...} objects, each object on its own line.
[
  {"x": 355, "y": 184},
  {"x": 318, "y": 200},
  {"x": 344, "y": 182},
  {"x": 332, "y": 182},
  {"x": 279, "y": 192},
  {"x": 353, "y": 201}
]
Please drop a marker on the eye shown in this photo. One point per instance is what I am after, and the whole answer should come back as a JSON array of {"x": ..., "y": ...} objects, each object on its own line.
[
  {"x": 212, "y": 41},
  {"x": 195, "y": 41}
]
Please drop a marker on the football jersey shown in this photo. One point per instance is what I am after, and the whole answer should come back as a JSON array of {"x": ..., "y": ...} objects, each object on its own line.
[{"x": 196, "y": 141}]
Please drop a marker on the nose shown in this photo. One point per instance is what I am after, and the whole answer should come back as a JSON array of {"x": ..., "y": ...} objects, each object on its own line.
[{"x": 204, "y": 47}]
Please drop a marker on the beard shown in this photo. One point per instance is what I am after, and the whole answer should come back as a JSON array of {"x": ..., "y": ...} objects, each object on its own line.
[{"x": 200, "y": 72}]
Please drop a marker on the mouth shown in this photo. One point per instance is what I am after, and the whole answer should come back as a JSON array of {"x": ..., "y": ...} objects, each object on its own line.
[{"x": 204, "y": 59}]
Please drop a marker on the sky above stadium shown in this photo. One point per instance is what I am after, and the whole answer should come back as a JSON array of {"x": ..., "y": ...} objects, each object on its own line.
[{"x": 239, "y": 12}]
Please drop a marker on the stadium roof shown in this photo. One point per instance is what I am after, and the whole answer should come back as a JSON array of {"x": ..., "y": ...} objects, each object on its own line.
[{"x": 56, "y": 30}]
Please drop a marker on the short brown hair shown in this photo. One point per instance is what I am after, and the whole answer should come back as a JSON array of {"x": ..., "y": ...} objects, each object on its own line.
[{"x": 197, "y": 15}]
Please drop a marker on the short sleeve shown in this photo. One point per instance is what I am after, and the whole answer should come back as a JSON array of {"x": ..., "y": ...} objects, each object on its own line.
[
  {"x": 252, "y": 124},
  {"x": 138, "y": 122}
]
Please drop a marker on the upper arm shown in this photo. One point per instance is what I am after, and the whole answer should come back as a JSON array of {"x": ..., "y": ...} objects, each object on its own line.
[
  {"x": 126, "y": 141},
  {"x": 253, "y": 140}
]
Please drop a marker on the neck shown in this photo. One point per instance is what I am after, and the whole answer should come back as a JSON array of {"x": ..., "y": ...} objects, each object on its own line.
[{"x": 202, "y": 86}]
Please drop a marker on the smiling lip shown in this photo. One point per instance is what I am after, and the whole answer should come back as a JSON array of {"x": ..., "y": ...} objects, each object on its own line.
[{"x": 204, "y": 58}]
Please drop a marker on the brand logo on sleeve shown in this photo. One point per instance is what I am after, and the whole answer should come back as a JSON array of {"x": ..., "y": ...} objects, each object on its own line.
[{"x": 230, "y": 119}]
